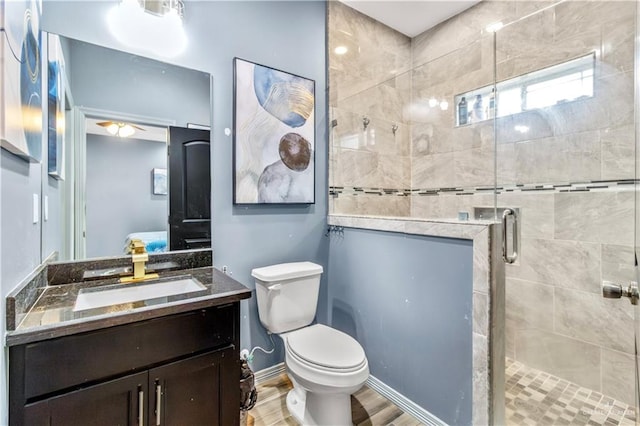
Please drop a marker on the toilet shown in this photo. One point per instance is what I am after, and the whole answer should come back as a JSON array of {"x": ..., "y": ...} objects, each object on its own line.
[{"x": 325, "y": 365}]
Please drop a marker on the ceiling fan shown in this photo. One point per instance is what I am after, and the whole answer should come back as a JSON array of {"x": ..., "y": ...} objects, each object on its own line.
[{"x": 119, "y": 128}]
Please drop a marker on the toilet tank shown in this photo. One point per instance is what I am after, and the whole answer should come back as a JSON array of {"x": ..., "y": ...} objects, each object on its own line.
[{"x": 287, "y": 295}]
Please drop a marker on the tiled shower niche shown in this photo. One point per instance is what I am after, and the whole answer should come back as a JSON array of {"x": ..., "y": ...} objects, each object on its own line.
[{"x": 553, "y": 85}]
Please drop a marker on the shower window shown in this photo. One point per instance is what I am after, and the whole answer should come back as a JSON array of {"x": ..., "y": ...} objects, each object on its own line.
[{"x": 567, "y": 82}]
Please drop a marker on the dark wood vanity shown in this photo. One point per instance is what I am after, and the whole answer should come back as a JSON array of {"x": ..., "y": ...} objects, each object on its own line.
[
  {"x": 180, "y": 369},
  {"x": 172, "y": 363}
]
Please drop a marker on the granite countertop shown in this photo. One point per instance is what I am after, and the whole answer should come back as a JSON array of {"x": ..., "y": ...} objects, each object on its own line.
[{"x": 52, "y": 314}]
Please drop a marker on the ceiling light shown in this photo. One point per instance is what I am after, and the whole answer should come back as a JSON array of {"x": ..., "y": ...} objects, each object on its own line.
[
  {"x": 113, "y": 128},
  {"x": 492, "y": 28},
  {"x": 121, "y": 130},
  {"x": 125, "y": 131},
  {"x": 150, "y": 25},
  {"x": 341, "y": 50},
  {"x": 444, "y": 105},
  {"x": 433, "y": 102}
]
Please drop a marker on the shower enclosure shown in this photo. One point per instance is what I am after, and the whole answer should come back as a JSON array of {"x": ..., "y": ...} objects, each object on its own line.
[
  {"x": 528, "y": 106},
  {"x": 567, "y": 159}
]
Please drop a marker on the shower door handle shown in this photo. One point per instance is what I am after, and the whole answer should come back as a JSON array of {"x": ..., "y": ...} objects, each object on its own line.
[
  {"x": 509, "y": 258},
  {"x": 616, "y": 291}
]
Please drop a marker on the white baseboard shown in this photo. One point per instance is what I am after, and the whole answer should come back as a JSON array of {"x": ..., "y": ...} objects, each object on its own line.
[
  {"x": 404, "y": 403},
  {"x": 269, "y": 373},
  {"x": 392, "y": 395}
]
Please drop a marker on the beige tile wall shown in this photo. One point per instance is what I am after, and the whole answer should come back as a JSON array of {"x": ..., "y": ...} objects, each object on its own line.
[
  {"x": 557, "y": 320},
  {"x": 371, "y": 80}
]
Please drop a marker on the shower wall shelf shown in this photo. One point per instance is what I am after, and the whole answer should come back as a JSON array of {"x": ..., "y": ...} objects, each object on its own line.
[{"x": 566, "y": 82}]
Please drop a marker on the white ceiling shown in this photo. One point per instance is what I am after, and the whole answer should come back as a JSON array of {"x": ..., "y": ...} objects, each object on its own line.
[{"x": 410, "y": 17}]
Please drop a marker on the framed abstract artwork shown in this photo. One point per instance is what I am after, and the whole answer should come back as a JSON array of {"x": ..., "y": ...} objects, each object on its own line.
[
  {"x": 159, "y": 181},
  {"x": 56, "y": 107},
  {"x": 273, "y": 135},
  {"x": 21, "y": 91}
]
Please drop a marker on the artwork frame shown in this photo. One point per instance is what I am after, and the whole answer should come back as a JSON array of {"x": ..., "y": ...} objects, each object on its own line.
[
  {"x": 56, "y": 107},
  {"x": 273, "y": 136},
  {"x": 21, "y": 92},
  {"x": 159, "y": 181}
]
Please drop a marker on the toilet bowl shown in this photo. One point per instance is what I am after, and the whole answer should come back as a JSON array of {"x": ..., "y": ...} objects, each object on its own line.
[
  {"x": 325, "y": 365},
  {"x": 328, "y": 366}
]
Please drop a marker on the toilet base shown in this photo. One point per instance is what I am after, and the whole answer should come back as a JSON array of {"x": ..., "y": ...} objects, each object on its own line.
[
  {"x": 309, "y": 408},
  {"x": 296, "y": 399}
]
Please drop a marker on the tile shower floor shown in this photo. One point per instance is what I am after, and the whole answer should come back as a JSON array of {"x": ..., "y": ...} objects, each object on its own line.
[{"x": 534, "y": 397}]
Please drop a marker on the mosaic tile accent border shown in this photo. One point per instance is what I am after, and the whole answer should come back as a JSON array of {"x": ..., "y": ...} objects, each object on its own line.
[
  {"x": 336, "y": 191},
  {"x": 534, "y": 397}
]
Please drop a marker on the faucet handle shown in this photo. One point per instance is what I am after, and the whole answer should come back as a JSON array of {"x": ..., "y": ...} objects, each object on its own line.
[{"x": 136, "y": 246}]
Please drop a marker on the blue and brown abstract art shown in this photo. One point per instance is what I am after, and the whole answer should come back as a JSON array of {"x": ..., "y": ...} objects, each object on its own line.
[
  {"x": 274, "y": 136},
  {"x": 21, "y": 112},
  {"x": 55, "y": 109}
]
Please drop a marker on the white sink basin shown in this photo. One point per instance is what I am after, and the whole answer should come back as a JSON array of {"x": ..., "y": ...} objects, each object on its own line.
[{"x": 92, "y": 298}]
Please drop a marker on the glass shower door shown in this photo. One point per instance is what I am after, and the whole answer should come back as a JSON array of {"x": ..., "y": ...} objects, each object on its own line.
[
  {"x": 565, "y": 161},
  {"x": 636, "y": 312}
]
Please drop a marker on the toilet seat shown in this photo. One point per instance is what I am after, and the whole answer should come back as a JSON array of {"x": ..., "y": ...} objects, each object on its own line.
[{"x": 325, "y": 348}]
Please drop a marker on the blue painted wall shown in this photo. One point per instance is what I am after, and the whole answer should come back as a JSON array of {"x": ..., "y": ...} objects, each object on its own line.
[
  {"x": 407, "y": 300},
  {"x": 288, "y": 35}
]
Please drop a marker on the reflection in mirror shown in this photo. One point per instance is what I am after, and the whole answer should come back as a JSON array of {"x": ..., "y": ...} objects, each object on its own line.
[
  {"x": 123, "y": 106},
  {"x": 126, "y": 197}
]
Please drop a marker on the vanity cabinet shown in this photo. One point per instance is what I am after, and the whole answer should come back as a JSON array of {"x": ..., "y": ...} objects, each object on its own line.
[
  {"x": 114, "y": 402},
  {"x": 181, "y": 369}
]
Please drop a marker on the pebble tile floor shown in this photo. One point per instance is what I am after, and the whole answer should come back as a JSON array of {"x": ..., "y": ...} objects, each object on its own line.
[{"x": 534, "y": 397}]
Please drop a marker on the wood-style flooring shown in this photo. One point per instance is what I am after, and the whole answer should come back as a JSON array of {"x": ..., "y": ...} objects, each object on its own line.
[{"x": 368, "y": 408}]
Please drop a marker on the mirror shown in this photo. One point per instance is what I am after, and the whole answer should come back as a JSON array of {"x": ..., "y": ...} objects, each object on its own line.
[{"x": 115, "y": 187}]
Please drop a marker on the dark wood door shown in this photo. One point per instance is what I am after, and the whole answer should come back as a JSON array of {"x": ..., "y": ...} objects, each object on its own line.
[
  {"x": 187, "y": 392},
  {"x": 189, "y": 177},
  {"x": 117, "y": 402}
]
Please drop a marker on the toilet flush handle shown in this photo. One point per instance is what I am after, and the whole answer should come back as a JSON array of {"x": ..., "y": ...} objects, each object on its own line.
[{"x": 275, "y": 287}]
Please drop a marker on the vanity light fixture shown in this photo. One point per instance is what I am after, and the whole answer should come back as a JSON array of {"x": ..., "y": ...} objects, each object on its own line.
[{"x": 151, "y": 25}]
